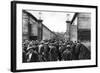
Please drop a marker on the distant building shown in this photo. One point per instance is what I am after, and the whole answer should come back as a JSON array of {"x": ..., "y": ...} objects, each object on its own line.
[{"x": 34, "y": 29}]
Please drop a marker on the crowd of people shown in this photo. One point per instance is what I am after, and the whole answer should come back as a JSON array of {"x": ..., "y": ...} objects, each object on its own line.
[{"x": 53, "y": 50}]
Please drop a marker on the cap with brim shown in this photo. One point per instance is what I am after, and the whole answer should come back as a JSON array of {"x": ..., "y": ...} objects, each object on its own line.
[
  {"x": 46, "y": 43},
  {"x": 68, "y": 45},
  {"x": 41, "y": 42}
]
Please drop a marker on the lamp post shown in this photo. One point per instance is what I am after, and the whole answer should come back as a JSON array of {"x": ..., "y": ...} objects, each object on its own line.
[
  {"x": 40, "y": 28},
  {"x": 68, "y": 27}
]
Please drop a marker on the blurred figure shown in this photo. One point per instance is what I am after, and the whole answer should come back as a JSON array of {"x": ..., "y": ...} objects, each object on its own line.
[
  {"x": 84, "y": 53},
  {"x": 53, "y": 52},
  {"x": 58, "y": 51},
  {"x": 77, "y": 50},
  {"x": 33, "y": 52},
  {"x": 67, "y": 55},
  {"x": 41, "y": 51},
  {"x": 46, "y": 50},
  {"x": 32, "y": 56}
]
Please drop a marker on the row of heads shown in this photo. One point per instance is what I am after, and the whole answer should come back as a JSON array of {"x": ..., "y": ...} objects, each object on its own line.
[{"x": 47, "y": 42}]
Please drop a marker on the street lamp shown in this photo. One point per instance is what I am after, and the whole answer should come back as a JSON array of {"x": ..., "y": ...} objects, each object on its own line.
[
  {"x": 40, "y": 28},
  {"x": 68, "y": 27},
  {"x": 40, "y": 15},
  {"x": 68, "y": 17}
]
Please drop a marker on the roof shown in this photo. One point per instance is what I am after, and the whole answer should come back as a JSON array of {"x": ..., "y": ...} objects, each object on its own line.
[
  {"x": 29, "y": 14},
  {"x": 75, "y": 15},
  {"x": 48, "y": 29}
]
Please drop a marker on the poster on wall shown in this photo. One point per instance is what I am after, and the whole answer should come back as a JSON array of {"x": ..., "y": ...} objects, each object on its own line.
[{"x": 48, "y": 36}]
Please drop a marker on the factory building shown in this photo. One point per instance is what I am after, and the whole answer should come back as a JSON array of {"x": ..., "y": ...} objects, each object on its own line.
[
  {"x": 34, "y": 29},
  {"x": 79, "y": 28},
  {"x": 84, "y": 26}
]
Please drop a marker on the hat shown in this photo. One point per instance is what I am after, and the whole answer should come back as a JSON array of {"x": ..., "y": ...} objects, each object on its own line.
[
  {"x": 42, "y": 42},
  {"x": 46, "y": 43},
  {"x": 68, "y": 45},
  {"x": 51, "y": 44}
]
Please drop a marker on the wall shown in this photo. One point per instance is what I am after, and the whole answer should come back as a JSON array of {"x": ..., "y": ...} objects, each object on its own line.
[
  {"x": 73, "y": 33},
  {"x": 30, "y": 30},
  {"x": 84, "y": 29},
  {"x": 5, "y": 37},
  {"x": 73, "y": 30},
  {"x": 84, "y": 26},
  {"x": 84, "y": 21},
  {"x": 34, "y": 26},
  {"x": 46, "y": 34},
  {"x": 25, "y": 26}
]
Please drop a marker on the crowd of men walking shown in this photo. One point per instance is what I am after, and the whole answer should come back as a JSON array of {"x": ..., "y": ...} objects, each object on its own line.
[{"x": 53, "y": 50}]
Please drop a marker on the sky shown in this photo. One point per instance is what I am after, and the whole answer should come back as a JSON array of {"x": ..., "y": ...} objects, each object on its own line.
[{"x": 55, "y": 21}]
